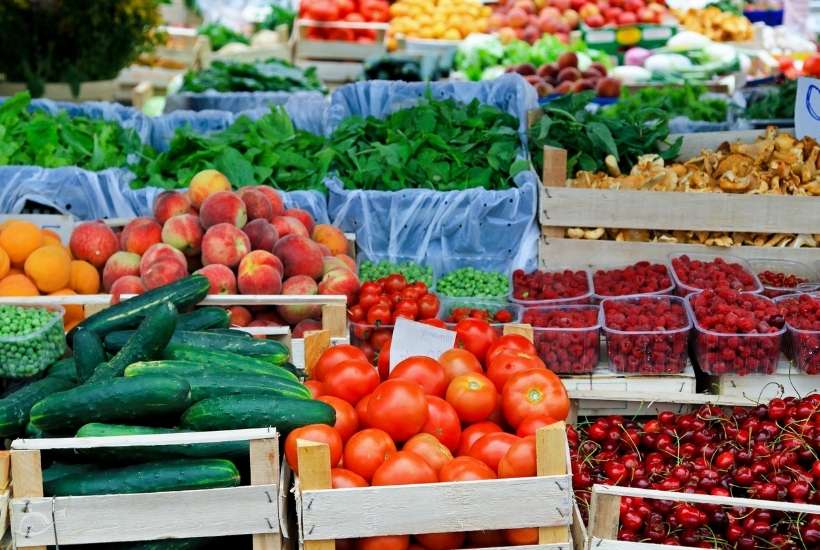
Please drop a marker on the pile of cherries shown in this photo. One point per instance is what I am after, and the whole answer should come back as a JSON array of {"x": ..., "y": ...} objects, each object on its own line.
[
  {"x": 766, "y": 452},
  {"x": 803, "y": 314},
  {"x": 571, "y": 350},
  {"x": 549, "y": 285},
  {"x": 639, "y": 278},
  {"x": 717, "y": 273}
]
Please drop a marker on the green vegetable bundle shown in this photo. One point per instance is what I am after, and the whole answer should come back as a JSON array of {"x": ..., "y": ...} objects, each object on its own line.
[
  {"x": 272, "y": 75},
  {"x": 220, "y": 35},
  {"x": 777, "y": 103},
  {"x": 686, "y": 100},
  {"x": 442, "y": 145}
]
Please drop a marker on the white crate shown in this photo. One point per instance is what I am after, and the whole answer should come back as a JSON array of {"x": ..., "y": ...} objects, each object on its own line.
[{"x": 786, "y": 381}]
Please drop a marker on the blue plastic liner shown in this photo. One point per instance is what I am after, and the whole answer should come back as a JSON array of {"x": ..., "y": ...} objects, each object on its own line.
[{"x": 233, "y": 102}]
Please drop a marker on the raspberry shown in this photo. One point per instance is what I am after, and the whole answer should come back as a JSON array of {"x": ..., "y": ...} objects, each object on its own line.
[
  {"x": 542, "y": 286},
  {"x": 802, "y": 313},
  {"x": 776, "y": 283},
  {"x": 639, "y": 278},
  {"x": 712, "y": 274},
  {"x": 561, "y": 340}
]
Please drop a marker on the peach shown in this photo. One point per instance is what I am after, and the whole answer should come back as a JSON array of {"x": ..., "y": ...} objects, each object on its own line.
[
  {"x": 277, "y": 206},
  {"x": 224, "y": 244},
  {"x": 169, "y": 204},
  {"x": 162, "y": 273},
  {"x": 139, "y": 234},
  {"x": 285, "y": 225},
  {"x": 240, "y": 316},
  {"x": 222, "y": 279},
  {"x": 130, "y": 284},
  {"x": 160, "y": 252},
  {"x": 349, "y": 262},
  {"x": 329, "y": 263},
  {"x": 270, "y": 315},
  {"x": 303, "y": 216},
  {"x": 184, "y": 233},
  {"x": 304, "y": 286},
  {"x": 93, "y": 242},
  {"x": 120, "y": 264},
  {"x": 330, "y": 236},
  {"x": 262, "y": 234},
  {"x": 257, "y": 204},
  {"x": 340, "y": 281},
  {"x": 259, "y": 273},
  {"x": 325, "y": 250},
  {"x": 223, "y": 207},
  {"x": 305, "y": 325},
  {"x": 300, "y": 256},
  {"x": 205, "y": 184}
]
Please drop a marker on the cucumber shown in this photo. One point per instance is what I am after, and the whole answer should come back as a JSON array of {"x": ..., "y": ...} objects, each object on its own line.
[
  {"x": 147, "y": 342},
  {"x": 59, "y": 470},
  {"x": 232, "y": 412},
  {"x": 149, "y": 453},
  {"x": 128, "y": 314},
  {"x": 290, "y": 367},
  {"x": 202, "y": 318},
  {"x": 15, "y": 407},
  {"x": 115, "y": 400},
  {"x": 151, "y": 477},
  {"x": 230, "y": 332},
  {"x": 88, "y": 353},
  {"x": 226, "y": 359},
  {"x": 64, "y": 368},
  {"x": 166, "y": 544}
]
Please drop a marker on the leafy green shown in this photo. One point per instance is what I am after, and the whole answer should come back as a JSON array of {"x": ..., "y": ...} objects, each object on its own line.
[
  {"x": 685, "y": 100},
  {"x": 272, "y": 75},
  {"x": 727, "y": 6},
  {"x": 589, "y": 137},
  {"x": 267, "y": 151},
  {"x": 776, "y": 103},
  {"x": 220, "y": 35},
  {"x": 443, "y": 145},
  {"x": 278, "y": 16}
]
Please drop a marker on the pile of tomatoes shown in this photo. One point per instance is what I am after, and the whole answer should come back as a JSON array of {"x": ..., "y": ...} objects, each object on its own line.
[
  {"x": 469, "y": 415},
  {"x": 352, "y": 11}
]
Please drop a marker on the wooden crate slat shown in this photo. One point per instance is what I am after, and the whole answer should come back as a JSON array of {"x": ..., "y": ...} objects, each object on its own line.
[
  {"x": 553, "y": 546},
  {"x": 787, "y": 380},
  {"x": 210, "y": 300},
  {"x": 145, "y": 516},
  {"x": 216, "y": 436},
  {"x": 605, "y": 544},
  {"x": 437, "y": 507}
]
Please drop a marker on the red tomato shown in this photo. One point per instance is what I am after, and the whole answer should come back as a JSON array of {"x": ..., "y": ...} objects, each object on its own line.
[
  {"x": 384, "y": 360},
  {"x": 475, "y": 432},
  {"x": 520, "y": 460},
  {"x": 507, "y": 363},
  {"x": 351, "y": 380},
  {"x": 430, "y": 449},
  {"x": 399, "y": 407},
  {"x": 535, "y": 391},
  {"x": 345, "y": 7},
  {"x": 316, "y": 388},
  {"x": 395, "y": 282},
  {"x": 375, "y": 10},
  {"x": 424, "y": 371},
  {"x": 334, "y": 355},
  {"x": 420, "y": 286},
  {"x": 457, "y": 362},
  {"x": 379, "y": 337},
  {"x": 473, "y": 396},
  {"x": 322, "y": 10},
  {"x": 428, "y": 306},
  {"x": 410, "y": 293},
  {"x": 366, "y": 301},
  {"x": 361, "y": 411},
  {"x": 520, "y": 537},
  {"x": 531, "y": 424},
  {"x": 441, "y": 541},
  {"x": 345, "y": 479},
  {"x": 319, "y": 433},
  {"x": 442, "y": 422},
  {"x": 366, "y": 451},
  {"x": 404, "y": 468},
  {"x": 465, "y": 468},
  {"x": 347, "y": 421},
  {"x": 486, "y": 539},
  {"x": 379, "y": 315},
  {"x": 369, "y": 351},
  {"x": 356, "y": 313},
  {"x": 370, "y": 287},
  {"x": 438, "y": 323},
  {"x": 406, "y": 309},
  {"x": 389, "y": 542},
  {"x": 510, "y": 342},
  {"x": 491, "y": 448},
  {"x": 475, "y": 336},
  {"x": 811, "y": 66}
]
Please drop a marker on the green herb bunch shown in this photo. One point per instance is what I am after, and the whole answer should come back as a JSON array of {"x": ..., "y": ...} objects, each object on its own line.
[
  {"x": 220, "y": 35},
  {"x": 776, "y": 103},
  {"x": 685, "y": 100},
  {"x": 278, "y": 15},
  {"x": 272, "y": 75}
]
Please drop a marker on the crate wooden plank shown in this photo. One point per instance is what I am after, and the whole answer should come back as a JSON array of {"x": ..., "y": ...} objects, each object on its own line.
[
  {"x": 433, "y": 508},
  {"x": 605, "y": 544},
  {"x": 333, "y": 71},
  {"x": 99, "y": 90},
  {"x": 192, "y": 438},
  {"x": 786, "y": 381},
  {"x": 553, "y": 546},
  {"x": 337, "y": 50}
]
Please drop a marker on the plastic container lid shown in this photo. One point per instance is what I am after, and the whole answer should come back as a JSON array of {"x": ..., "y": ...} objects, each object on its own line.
[
  {"x": 575, "y": 300},
  {"x": 704, "y": 257}
]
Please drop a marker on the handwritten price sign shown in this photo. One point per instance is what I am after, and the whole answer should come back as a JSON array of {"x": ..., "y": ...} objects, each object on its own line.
[{"x": 807, "y": 108}]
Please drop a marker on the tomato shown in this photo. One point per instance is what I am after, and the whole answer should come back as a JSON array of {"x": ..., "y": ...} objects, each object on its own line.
[
  {"x": 399, "y": 407},
  {"x": 334, "y": 355},
  {"x": 507, "y": 363},
  {"x": 420, "y": 286},
  {"x": 510, "y": 342},
  {"x": 457, "y": 362},
  {"x": 322, "y": 10},
  {"x": 475, "y": 336},
  {"x": 369, "y": 352},
  {"x": 411, "y": 294},
  {"x": 319, "y": 433},
  {"x": 520, "y": 459},
  {"x": 424, "y": 371},
  {"x": 366, "y": 451},
  {"x": 384, "y": 360},
  {"x": 811, "y": 66},
  {"x": 395, "y": 282},
  {"x": 394, "y": 298},
  {"x": 379, "y": 337},
  {"x": 356, "y": 313},
  {"x": 486, "y": 539},
  {"x": 375, "y": 10},
  {"x": 345, "y": 7},
  {"x": 316, "y": 388},
  {"x": 442, "y": 422},
  {"x": 430, "y": 449},
  {"x": 379, "y": 315},
  {"x": 491, "y": 448},
  {"x": 347, "y": 421},
  {"x": 465, "y": 468},
  {"x": 428, "y": 306},
  {"x": 351, "y": 380},
  {"x": 473, "y": 433},
  {"x": 473, "y": 396},
  {"x": 535, "y": 391},
  {"x": 346, "y": 479},
  {"x": 404, "y": 468},
  {"x": 441, "y": 541},
  {"x": 366, "y": 301},
  {"x": 361, "y": 411},
  {"x": 522, "y": 536},
  {"x": 531, "y": 424},
  {"x": 438, "y": 323},
  {"x": 406, "y": 309},
  {"x": 388, "y": 542}
]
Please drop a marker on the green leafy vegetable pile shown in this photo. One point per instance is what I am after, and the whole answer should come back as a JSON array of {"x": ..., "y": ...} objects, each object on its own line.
[
  {"x": 267, "y": 151},
  {"x": 272, "y": 75},
  {"x": 686, "y": 100},
  {"x": 278, "y": 16},
  {"x": 443, "y": 145},
  {"x": 38, "y": 138},
  {"x": 590, "y": 137},
  {"x": 220, "y": 35},
  {"x": 774, "y": 104}
]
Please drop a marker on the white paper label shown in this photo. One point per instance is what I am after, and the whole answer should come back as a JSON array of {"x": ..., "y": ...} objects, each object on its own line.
[
  {"x": 807, "y": 108},
  {"x": 411, "y": 338}
]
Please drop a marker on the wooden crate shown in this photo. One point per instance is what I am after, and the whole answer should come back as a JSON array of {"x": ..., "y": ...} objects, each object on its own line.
[
  {"x": 337, "y": 50},
  {"x": 99, "y": 90},
  {"x": 786, "y": 381},
  {"x": 37, "y": 521},
  {"x": 604, "y": 516}
]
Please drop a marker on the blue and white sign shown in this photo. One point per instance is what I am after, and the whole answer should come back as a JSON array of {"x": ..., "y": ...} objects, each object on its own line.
[{"x": 807, "y": 108}]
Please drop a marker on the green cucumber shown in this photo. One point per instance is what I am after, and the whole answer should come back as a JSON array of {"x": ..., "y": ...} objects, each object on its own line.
[
  {"x": 59, "y": 470},
  {"x": 256, "y": 411},
  {"x": 146, "y": 343},
  {"x": 166, "y": 544},
  {"x": 115, "y": 400},
  {"x": 226, "y": 359},
  {"x": 290, "y": 367},
  {"x": 149, "y": 453},
  {"x": 265, "y": 350},
  {"x": 128, "y": 314},
  {"x": 202, "y": 318},
  {"x": 151, "y": 477},
  {"x": 64, "y": 368},
  {"x": 15, "y": 407},
  {"x": 88, "y": 353},
  {"x": 231, "y": 332}
]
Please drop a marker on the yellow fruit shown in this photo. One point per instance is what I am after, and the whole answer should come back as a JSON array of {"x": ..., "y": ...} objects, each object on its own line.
[
  {"x": 4, "y": 263},
  {"x": 17, "y": 285},
  {"x": 49, "y": 267},
  {"x": 73, "y": 313},
  {"x": 19, "y": 239},
  {"x": 84, "y": 279},
  {"x": 452, "y": 34}
]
